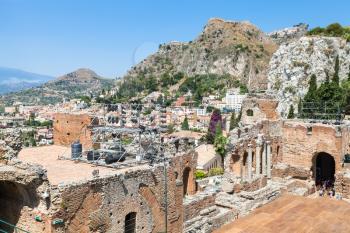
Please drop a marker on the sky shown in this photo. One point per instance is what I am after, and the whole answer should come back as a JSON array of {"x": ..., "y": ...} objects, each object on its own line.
[{"x": 109, "y": 36}]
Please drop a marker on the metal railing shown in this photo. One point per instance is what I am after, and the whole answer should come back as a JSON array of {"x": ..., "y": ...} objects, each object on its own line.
[{"x": 12, "y": 227}]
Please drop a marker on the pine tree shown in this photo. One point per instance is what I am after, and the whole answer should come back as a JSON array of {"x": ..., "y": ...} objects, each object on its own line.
[
  {"x": 291, "y": 112},
  {"x": 336, "y": 71},
  {"x": 184, "y": 125},
  {"x": 239, "y": 116},
  {"x": 311, "y": 95},
  {"x": 233, "y": 121},
  {"x": 299, "y": 108}
]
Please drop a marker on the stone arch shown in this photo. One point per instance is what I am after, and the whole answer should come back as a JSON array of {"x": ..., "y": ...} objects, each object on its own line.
[
  {"x": 323, "y": 168},
  {"x": 245, "y": 158},
  {"x": 13, "y": 197},
  {"x": 250, "y": 112},
  {"x": 130, "y": 222}
]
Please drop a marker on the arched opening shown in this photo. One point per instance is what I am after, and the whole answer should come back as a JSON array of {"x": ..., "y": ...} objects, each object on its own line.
[
  {"x": 250, "y": 112},
  {"x": 185, "y": 180},
  {"x": 130, "y": 223},
  {"x": 13, "y": 197},
  {"x": 323, "y": 169},
  {"x": 245, "y": 157}
]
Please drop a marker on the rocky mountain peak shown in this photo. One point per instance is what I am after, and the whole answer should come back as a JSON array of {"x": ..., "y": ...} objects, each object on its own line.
[
  {"x": 238, "y": 49},
  {"x": 220, "y": 33}
]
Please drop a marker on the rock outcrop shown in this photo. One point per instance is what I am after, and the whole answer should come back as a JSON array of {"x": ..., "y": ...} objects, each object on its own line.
[
  {"x": 239, "y": 49},
  {"x": 289, "y": 34},
  {"x": 10, "y": 144},
  {"x": 293, "y": 63}
]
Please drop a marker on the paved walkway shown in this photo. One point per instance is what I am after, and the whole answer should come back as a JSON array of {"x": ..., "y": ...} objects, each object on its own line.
[{"x": 295, "y": 214}]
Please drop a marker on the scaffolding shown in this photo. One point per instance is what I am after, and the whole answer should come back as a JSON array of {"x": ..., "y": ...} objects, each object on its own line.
[
  {"x": 321, "y": 111},
  {"x": 123, "y": 126}
]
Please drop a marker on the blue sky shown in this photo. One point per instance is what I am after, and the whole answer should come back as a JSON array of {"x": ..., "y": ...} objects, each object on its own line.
[{"x": 56, "y": 37}]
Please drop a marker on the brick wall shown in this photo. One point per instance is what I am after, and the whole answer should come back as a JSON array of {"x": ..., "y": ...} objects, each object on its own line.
[
  {"x": 102, "y": 204},
  {"x": 193, "y": 208},
  {"x": 68, "y": 128},
  {"x": 262, "y": 109},
  {"x": 302, "y": 141}
]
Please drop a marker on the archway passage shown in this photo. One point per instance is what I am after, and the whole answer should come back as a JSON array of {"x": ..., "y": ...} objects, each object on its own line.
[
  {"x": 13, "y": 197},
  {"x": 324, "y": 169},
  {"x": 130, "y": 223},
  {"x": 185, "y": 180}
]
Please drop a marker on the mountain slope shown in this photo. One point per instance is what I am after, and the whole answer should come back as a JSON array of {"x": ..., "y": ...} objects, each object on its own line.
[
  {"x": 237, "y": 49},
  {"x": 74, "y": 84},
  {"x": 293, "y": 64},
  {"x": 15, "y": 80}
]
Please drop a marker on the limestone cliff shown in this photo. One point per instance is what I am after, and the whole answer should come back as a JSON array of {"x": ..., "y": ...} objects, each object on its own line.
[
  {"x": 239, "y": 49},
  {"x": 293, "y": 63},
  {"x": 289, "y": 34}
]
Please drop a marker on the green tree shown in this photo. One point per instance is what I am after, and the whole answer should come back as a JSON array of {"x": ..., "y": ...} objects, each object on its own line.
[
  {"x": 32, "y": 142},
  {"x": 151, "y": 84},
  {"x": 220, "y": 143},
  {"x": 311, "y": 95},
  {"x": 184, "y": 125},
  {"x": 336, "y": 71},
  {"x": 233, "y": 121},
  {"x": 334, "y": 29},
  {"x": 291, "y": 112}
]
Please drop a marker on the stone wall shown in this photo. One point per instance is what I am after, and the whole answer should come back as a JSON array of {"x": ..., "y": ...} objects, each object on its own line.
[
  {"x": 68, "y": 128},
  {"x": 194, "y": 207},
  {"x": 24, "y": 195},
  {"x": 342, "y": 184}
]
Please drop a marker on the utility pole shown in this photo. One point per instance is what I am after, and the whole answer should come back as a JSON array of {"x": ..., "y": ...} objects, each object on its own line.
[
  {"x": 165, "y": 186},
  {"x": 166, "y": 196}
]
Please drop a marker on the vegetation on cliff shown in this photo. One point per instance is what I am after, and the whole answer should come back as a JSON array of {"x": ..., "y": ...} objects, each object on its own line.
[
  {"x": 330, "y": 99},
  {"x": 334, "y": 29}
]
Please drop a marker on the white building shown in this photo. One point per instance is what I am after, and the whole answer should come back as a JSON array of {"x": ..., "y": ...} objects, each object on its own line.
[
  {"x": 233, "y": 99},
  {"x": 201, "y": 111},
  {"x": 207, "y": 157}
]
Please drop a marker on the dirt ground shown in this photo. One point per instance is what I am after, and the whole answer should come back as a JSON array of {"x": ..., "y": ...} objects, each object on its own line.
[{"x": 64, "y": 171}]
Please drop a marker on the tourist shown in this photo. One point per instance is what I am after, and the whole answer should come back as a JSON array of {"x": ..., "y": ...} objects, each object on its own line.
[{"x": 321, "y": 192}]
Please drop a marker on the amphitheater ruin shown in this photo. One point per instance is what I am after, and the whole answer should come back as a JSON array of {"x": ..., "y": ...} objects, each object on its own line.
[{"x": 270, "y": 160}]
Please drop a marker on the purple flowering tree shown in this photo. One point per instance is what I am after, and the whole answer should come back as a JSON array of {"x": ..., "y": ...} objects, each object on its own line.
[{"x": 214, "y": 120}]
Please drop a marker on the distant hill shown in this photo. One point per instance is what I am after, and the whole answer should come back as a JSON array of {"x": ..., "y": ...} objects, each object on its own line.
[
  {"x": 16, "y": 80},
  {"x": 78, "y": 83}
]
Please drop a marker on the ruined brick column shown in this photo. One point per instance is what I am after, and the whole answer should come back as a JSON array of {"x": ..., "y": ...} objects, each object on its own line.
[
  {"x": 257, "y": 158},
  {"x": 250, "y": 165},
  {"x": 264, "y": 159},
  {"x": 268, "y": 159},
  {"x": 241, "y": 168}
]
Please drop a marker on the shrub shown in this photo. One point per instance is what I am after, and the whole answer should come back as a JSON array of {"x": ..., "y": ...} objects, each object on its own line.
[
  {"x": 200, "y": 174},
  {"x": 216, "y": 171}
]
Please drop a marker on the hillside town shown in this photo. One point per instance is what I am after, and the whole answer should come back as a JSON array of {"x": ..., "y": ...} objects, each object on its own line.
[{"x": 252, "y": 134}]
